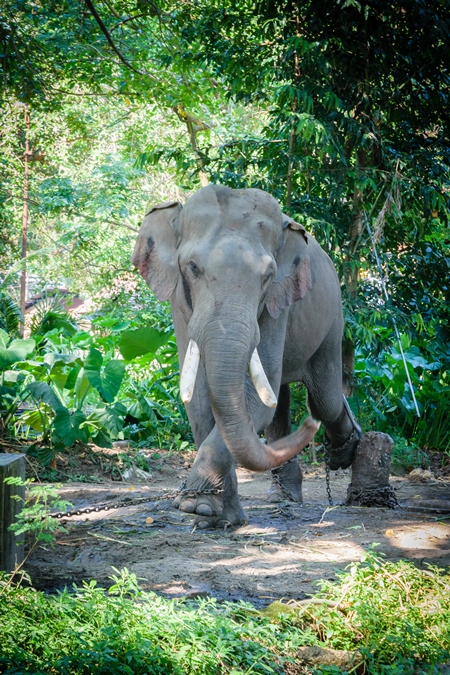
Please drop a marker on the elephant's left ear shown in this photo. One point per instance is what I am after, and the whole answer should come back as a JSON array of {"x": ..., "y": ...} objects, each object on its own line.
[{"x": 293, "y": 278}]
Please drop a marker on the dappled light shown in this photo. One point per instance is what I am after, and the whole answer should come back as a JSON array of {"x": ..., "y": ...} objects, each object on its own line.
[{"x": 224, "y": 243}]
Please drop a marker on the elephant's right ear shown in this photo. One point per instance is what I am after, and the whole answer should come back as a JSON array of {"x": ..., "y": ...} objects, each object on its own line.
[{"x": 155, "y": 251}]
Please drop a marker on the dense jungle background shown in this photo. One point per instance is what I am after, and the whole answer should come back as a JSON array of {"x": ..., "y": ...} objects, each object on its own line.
[
  {"x": 340, "y": 111},
  {"x": 338, "y": 108}
]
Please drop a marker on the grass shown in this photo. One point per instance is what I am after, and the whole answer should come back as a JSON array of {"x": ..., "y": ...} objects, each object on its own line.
[{"x": 396, "y": 615}]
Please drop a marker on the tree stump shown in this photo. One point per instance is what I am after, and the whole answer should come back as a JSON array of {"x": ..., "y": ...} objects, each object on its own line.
[
  {"x": 370, "y": 472},
  {"x": 11, "y": 547}
]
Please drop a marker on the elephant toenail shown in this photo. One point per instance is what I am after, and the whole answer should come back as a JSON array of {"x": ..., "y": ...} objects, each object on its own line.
[
  {"x": 204, "y": 510},
  {"x": 188, "y": 506},
  {"x": 202, "y": 525}
]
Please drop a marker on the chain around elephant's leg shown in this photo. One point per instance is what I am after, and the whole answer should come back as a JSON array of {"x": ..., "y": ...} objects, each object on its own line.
[
  {"x": 232, "y": 513},
  {"x": 213, "y": 507},
  {"x": 287, "y": 482},
  {"x": 203, "y": 493}
]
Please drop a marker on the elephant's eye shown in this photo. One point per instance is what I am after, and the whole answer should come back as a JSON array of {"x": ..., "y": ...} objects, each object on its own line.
[
  {"x": 267, "y": 278},
  {"x": 194, "y": 268}
]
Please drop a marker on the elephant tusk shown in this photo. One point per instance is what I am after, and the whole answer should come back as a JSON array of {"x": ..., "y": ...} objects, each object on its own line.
[
  {"x": 189, "y": 372},
  {"x": 260, "y": 381}
]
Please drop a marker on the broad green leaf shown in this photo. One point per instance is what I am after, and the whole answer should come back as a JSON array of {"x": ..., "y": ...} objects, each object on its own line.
[
  {"x": 52, "y": 358},
  {"x": 59, "y": 377},
  {"x": 18, "y": 350},
  {"x": 41, "y": 391},
  {"x": 67, "y": 426},
  {"x": 112, "y": 417},
  {"x": 14, "y": 375},
  {"x": 102, "y": 439},
  {"x": 81, "y": 384},
  {"x": 4, "y": 338},
  {"x": 141, "y": 341},
  {"x": 108, "y": 381},
  {"x": 43, "y": 455},
  {"x": 72, "y": 377},
  {"x": 35, "y": 420}
]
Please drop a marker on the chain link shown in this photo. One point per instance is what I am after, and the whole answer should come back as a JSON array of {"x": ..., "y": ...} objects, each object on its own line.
[
  {"x": 327, "y": 477},
  {"x": 379, "y": 497},
  {"x": 110, "y": 507},
  {"x": 276, "y": 479},
  {"x": 195, "y": 493},
  {"x": 127, "y": 501}
]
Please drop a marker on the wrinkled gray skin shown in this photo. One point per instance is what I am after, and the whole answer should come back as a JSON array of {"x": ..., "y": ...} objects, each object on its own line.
[{"x": 239, "y": 275}]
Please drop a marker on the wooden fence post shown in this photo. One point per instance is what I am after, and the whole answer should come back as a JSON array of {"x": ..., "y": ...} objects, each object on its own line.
[{"x": 11, "y": 547}]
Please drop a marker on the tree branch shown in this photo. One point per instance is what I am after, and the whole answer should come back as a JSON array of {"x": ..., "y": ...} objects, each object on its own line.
[{"x": 109, "y": 39}]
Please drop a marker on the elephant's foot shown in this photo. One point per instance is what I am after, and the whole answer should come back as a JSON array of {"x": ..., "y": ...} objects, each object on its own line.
[
  {"x": 200, "y": 503},
  {"x": 287, "y": 482},
  {"x": 342, "y": 457},
  {"x": 213, "y": 507},
  {"x": 232, "y": 514}
]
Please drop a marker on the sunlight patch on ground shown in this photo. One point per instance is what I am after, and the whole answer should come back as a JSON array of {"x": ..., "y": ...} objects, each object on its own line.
[{"x": 429, "y": 537}]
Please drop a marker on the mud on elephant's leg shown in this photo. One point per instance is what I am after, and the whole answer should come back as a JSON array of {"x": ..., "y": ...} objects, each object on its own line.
[
  {"x": 210, "y": 492},
  {"x": 286, "y": 479}
]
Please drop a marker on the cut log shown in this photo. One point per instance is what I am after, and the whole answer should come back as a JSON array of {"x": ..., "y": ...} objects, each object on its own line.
[
  {"x": 370, "y": 472},
  {"x": 11, "y": 546}
]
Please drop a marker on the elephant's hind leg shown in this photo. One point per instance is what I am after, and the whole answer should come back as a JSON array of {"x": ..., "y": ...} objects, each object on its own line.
[
  {"x": 287, "y": 478},
  {"x": 326, "y": 401}
]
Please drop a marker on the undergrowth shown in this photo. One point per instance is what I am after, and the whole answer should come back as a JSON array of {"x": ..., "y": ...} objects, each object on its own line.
[{"x": 395, "y": 615}]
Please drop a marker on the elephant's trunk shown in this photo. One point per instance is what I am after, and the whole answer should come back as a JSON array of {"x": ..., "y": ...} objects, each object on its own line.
[{"x": 226, "y": 355}]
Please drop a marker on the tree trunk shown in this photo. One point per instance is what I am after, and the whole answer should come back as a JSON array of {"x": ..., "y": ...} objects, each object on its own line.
[
  {"x": 23, "y": 276},
  {"x": 352, "y": 278},
  {"x": 370, "y": 472}
]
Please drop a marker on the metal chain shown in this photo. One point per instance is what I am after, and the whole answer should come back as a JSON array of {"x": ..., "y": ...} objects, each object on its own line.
[
  {"x": 327, "y": 477},
  {"x": 109, "y": 507},
  {"x": 380, "y": 497},
  {"x": 283, "y": 488},
  {"x": 127, "y": 501},
  {"x": 194, "y": 493}
]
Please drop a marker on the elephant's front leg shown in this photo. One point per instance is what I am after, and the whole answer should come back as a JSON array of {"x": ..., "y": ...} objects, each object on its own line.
[
  {"x": 211, "y": 491},
  {"x": 287, "y": 478}
]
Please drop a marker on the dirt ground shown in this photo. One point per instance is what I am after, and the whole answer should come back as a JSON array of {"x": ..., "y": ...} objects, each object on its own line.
[{"x": 283, "y": 551}]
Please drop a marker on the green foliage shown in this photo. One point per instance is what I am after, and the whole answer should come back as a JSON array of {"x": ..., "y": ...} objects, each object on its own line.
[
  {"x": 13, "y": 351},
  {"x": 385, "y": 390},
  {"x": 48, "y": 316},
  {"x": 338, "y": 109},
  {"x": 62, "y": 388},
  {"x": 10, "y": 314},
  {"x": 140, "y": 341},
  {"x": 386, "y": 610},
  {"x": 394, "y": 614},
  {"x": 34, "y": 518}
]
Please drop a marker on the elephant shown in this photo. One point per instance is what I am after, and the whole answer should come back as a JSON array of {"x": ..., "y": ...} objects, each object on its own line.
[{"x": 256, "y": 305}]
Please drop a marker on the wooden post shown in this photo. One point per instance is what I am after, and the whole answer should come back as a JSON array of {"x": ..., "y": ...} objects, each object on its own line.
[
  {"x": 11, "y": 547},
  {"x": 370, "y": 472}
]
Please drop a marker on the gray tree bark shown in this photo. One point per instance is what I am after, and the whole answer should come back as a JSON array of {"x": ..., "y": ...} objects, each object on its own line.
[
  {"x": 11, "y": 546},
  {"x": 370, "y": 472}
]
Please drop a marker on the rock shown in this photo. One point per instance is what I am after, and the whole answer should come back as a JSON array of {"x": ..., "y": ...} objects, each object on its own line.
[
  {"x": 133, "y": 474},
  {"x": 320, "y": 656},
  {"x": 420, "y": 475}
]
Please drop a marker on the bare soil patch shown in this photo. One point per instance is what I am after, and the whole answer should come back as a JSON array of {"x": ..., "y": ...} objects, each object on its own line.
[{"x": 283, "y": 551}]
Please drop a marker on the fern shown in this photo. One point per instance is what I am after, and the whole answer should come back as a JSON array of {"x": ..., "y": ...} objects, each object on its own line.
[{"x": 10, "y": 314}]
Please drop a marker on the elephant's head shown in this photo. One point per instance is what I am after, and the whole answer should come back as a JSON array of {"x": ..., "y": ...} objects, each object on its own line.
[{"x": 223, "y": 259}]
